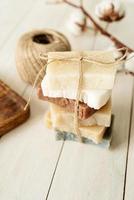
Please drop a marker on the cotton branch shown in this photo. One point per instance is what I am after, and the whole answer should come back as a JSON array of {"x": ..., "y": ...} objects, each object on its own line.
[{"x": 117, "y": 42}]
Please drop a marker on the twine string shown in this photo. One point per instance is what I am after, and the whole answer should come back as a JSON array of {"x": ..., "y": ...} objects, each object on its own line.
[
  {"x": 35, "y": 83},
  {"x": 76, "y": 109},
  {"x": 90, "y": 60}
]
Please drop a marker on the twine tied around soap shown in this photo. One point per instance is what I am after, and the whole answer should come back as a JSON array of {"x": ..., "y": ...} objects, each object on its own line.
[
  {"x": 76, "y": 109},
  {"x": 80, "y": 80}
]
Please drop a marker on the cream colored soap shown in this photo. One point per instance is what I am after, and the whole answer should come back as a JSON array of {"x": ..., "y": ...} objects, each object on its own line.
[
  {"x": 94, "y": 133},
  {"x": 95, "y": 76}
]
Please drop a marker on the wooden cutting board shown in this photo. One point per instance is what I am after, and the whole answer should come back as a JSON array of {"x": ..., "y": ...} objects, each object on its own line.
[{"x": 12, "y": 111}]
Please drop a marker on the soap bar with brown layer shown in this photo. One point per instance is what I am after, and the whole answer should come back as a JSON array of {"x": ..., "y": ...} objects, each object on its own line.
[
  {"x": 12, "y": 111},
  {"x": 69, "y": 104}
]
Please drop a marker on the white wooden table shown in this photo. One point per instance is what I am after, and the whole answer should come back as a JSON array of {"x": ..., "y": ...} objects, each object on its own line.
[{"x": 33, "y": 165}]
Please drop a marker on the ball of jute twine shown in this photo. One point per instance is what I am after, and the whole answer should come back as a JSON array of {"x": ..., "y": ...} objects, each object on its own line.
[{"x": 29, "y": 48}]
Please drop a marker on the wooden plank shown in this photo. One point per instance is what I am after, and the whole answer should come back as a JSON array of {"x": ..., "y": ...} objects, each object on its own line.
[
  {"x": 129, "y": 182},
  {"x": 28, "y": 154},
  {"x": 11, "y": 13},
  {"x": 89, "y": 172},
  {"x": 28, "y": 158},
  {"x": 25, "y": 171}
]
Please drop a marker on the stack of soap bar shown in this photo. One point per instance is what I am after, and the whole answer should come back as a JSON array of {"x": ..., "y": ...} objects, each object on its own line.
[{"x": 59, "y": 87}]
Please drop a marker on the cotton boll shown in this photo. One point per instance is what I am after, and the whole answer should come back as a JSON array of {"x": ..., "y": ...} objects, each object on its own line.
[
  {"x": 129, "y": 64},
  {"x": 76, "y": 17},
  {"x": 110, "y": 10}
]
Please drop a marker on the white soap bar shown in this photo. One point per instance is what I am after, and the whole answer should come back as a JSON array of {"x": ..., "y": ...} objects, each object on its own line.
[
  {"x": 94, "y": 133},
  {"x": 93, "y": 98},
  {"x": 102, "y": 117}
]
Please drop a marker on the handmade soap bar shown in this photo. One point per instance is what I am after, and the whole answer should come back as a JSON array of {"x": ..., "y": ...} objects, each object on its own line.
[
  {"x": 60, "y": 116},
  {"x": 91, "y": 68},
  {"x": 93, "y": 98},
  {"x": 94, "y": 133},
  {"x": 68, "y": 104},
  {"x": 106, "y": 140},
  {"x": 61, "y": 79}
]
